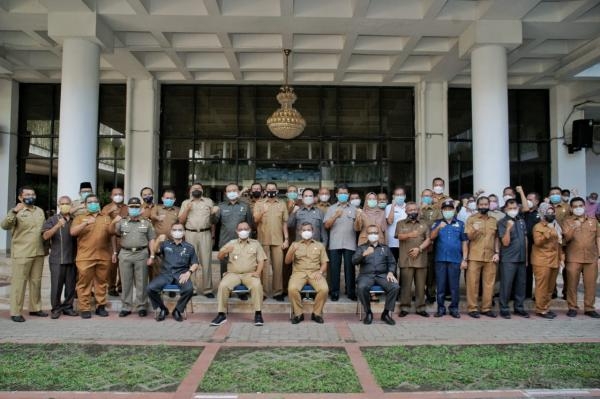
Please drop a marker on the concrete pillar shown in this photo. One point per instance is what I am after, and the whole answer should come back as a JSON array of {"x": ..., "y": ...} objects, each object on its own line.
[
  {"x": 78, "y": 142},
  {"x": 9, "y": 109},
  {"x": 142, "y": 137}
]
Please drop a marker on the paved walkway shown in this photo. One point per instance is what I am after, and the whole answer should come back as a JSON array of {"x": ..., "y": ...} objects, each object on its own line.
[{"x": 341, "y": 330}]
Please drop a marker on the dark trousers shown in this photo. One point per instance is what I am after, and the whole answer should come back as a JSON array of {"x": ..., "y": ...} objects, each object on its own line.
[
  {"x": 335, "y": 264},
  {"x": 62, "y": 277},
  {"x": 364, "y": 284},
  {"x": 513, "y": 277},
  {"x": 430, "y": 281},
  {"x": 155, "y": 287},
  {"x": 447, "y": 274}
]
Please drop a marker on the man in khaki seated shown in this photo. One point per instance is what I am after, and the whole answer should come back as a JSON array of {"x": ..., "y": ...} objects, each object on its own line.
[
  {"x": 309, "y": 258},
  {"x": 246, "y": 259}
]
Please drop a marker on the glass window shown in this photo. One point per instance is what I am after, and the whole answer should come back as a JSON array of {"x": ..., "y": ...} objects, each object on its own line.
[
  {"x": 177, "y": 111},
  {"x": 217, "y": 112}
]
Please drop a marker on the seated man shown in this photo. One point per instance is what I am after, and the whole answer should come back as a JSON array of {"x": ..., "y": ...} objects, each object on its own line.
[
  {"x": 309, "y": 258},
  {"x": 377, "y": 266},
  {"x": 179, "y": 261},
  {"x": 246, "y": 259}
]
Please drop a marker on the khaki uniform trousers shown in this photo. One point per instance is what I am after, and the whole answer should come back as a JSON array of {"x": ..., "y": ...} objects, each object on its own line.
[
  {"x": 275, "y": 260},
  {"x": 487, "y": 272},
  {"x": 230, "y": 280},
  {"x": 407, "y": 276},
  {"x": 590, "y": 274},
  {"x": 202, "y": 243},
  {"x": 26, "y": 270},
  {"x": 297, "y": 282},
  {"x": 92, "y": 272},
  {"x": 134, "y": 272},
  {"x": 545, "y": 282}
]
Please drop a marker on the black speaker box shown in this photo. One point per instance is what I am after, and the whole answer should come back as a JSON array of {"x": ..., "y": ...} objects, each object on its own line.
[{"x": 583, "y": 133}]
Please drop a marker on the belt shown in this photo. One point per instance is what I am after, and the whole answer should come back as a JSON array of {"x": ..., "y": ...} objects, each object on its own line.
[
  {"x": 198, "y": 230},
  {"x": 135, "y": 249}
]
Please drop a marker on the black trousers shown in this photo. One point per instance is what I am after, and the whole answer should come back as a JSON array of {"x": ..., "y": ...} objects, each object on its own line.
[
  {"x": 512, "y": 279},
  {"x": 364, "y": 284},
  {"x": 62, "y": 277},
  {"x": 156, "y": 285}
]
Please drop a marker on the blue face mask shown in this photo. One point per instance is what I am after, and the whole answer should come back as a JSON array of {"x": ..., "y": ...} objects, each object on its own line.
[
  {"x": 292, "y": 196},
  {"x": 343, "y": 197},
  {"x": 371, "y": 203},
  {"x": 427, "y": 200},
  {"x": 84, "y": 195},
  {"x": 168, "y": 202},
  {"x": 93, "y": 207},
  {"x": 448, "y": 214},
  {"x": 400, "y": 199},
  {"x": 555, "y": 198},
  {"x": 135, "y": 212}
]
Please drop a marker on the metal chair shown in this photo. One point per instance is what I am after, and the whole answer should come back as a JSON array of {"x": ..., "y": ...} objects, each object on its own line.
[
  {"x": 375, "y": 290},
  {"x": 174, "y": 288},
  {"x": 305, "y": 293}
]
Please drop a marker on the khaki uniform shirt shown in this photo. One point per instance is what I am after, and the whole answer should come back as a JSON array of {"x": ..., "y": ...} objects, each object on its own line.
[
  {"x": 135, "y": 233},
  {"x": 546, "y": 249},
  {"x": 404, "y": 227},
  {"x": 429, "y": 214},
  {"x": 562, "y": 210},
  {"x": 323, "y": 206},
  {"x": 270, "y": 228},
  {"x": 438, "y": 200},
  {"x": 170, "y": 218},
  {"x": 245, "y": 256},
  {"x": 309, "y": 256},
  {"x": 199, "y": 216},
  {"x": 122, "y": 210},
  {"x": 93, "y": 242},
  {"x": 581, "y": 241},
  {"x": 482, "y": 248},
  {"x": 147, "y": 209},
  {"x": 26, "y": 232}
]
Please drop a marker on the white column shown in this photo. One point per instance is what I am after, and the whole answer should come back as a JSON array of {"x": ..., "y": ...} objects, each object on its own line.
[
  {"x": 9, "y": 100},
  {"x": 78, "y": 140},
  {"x": 489, "y": 99}
]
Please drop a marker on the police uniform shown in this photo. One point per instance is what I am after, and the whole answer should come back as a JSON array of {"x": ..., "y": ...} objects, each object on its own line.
[
  {"x": 162, "y": 218},
  {"x": 113, "y": 210},
  {"x": 136, "y": 234},
  {"x": 309, "y": 257},
  {"x": 242, "y": 261},
  {"x": 198, "y": 232},
  {"x": 412, "y": 269},
  {"x": 27, "y": 253}
]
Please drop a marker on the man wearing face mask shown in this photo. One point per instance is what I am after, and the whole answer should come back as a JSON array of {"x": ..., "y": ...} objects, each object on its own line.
[
  {"x": 308, "y": 213},
  {"x": 148, "y": 204},
  {"x": 382, "y": 201},
  {"x": 439, "y": 197},
  {"x": 179, "y": 262},
  {"x": 292, "y": 198},
  {"x": 271, "y": 218},
  {"x": 63, "y": 274},
  {"x": 339, "y": 220},
  {"x": 395, "y": 212},
  {"x": 323, "y": 203},
  {"x": 256, "y": 193},
  {"x": 94, "y": 232},
  {"x": 451, "y": 254},
  {"x": 377, "y": 266},
  {"x": 78, "y": 207},
  {"x": 484, "y": 249},
  {"x": 25, "y": 222},
  {"x": 231, "y": 213},
  {"x": 582, "y": 236},
  {"x": 196, "y": 214},
  {"x": 429, "y": 214},
  {"x": 413, "y": 235},
  {"x": 532, "y": 217},
  {"x": 137, "y": 236},
  {"x": 245, "y": 261},
  {"x": 309, "y": 261},
  {"x": 163, "y": 217},
  {"x": 468, "y": 209},
  {"x": 115, "y": 208},
  {"x": 495, "y": 210},
  {"x": 512, "y": 232},
  {"x": 562, "y": 208},
  {"x": 355, "y": 199}
]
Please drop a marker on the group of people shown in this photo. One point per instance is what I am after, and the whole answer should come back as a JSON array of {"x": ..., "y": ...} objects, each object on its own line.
[{"x": 274, "y": 247}]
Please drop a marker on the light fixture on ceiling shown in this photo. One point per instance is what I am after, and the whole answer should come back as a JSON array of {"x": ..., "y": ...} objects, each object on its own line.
[{"x": 286, "y": 122}]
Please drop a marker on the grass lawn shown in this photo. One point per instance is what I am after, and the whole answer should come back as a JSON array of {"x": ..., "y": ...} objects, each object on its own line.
[
  {"x": 526, "y": 366},
  {"x": 73, "y": 367},
  {"x": 281, "y": 369}
]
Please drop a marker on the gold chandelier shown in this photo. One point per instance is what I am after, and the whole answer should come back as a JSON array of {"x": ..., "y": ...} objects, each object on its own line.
[{"x": 286, "y": 122}]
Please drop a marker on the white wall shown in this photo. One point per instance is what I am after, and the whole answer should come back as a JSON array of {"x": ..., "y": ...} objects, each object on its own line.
[{"x": 592, "y": 164}]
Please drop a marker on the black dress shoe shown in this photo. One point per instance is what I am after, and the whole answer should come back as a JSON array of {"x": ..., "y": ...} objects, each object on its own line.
[
  {"x": 162, "y": 313},
  {"x": 439, "y": 314},
  {"x": 39, "y": 313},
  {"x": 403, "y": 313},
  {"x": 545, "y": 315},
  {"x": 474, "y": 314},
  {"x": 258, "y": 319},
  {"x": 593, "y": 314},
  {"x": 490, "y": 313},
  {"x": 142, "y": 313},
  {"x": 368, "y": 318},
  {"x": 86, "y": 314},
  {"x": 353, "y": 298},
  {"x": 522, "y": 313},
  {"x": 220, "y": 319},
  {"x": 423, "y": 313},
  {"x": 177, "y": 315},
  {"x": 124, "y": 313},
  {"x": 335, "y": 297},
  {"x": 317, "y": 318},
  {"x": 505, "y": 315},
  {"x": 55, "y": 315},
  {"x": 455, "y": 314},
  {"x": 572, "y": 313},
  {"x": 210, "y": 295},
  {"x": 387, "y": 319},
  {"x": 101, "y": 311},
  {"x": 552, "y": 313},
  {"x": 297, "y": 319},
  {"x": 18, "y": 319},
  {"x": 70, "y": 312}
]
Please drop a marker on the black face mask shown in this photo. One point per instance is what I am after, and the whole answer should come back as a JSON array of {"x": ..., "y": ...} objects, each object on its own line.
[
  {"x": 483, "y": 211},
  {"x": 550, "y": 218},
  {"x": 197, "y": 193},
  {"x": 271, "y": 194},
  {"x": 29, "y": 201},
  {"x": 412, "y": 215},
  {"x": 149, "y": 199},
  {"x": 256, "y": 194}
]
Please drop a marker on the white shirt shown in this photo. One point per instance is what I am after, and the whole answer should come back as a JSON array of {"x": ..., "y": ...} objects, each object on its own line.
[{"x": 399, "y": 214}]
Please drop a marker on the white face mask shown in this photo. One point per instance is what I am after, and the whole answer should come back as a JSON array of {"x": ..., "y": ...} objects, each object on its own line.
[
  {"x": 232, "y": 195},
  {"x": 472, "y": 206},
  {"x": 438, "y": 189},
  {"x": 507, "y": 197},
  {"x": 373, "y": 237},
  {"x": 308, "y": 200},
  {"x": 578, "y": 211},
  {"x": 177, "y": 234},
  {"x": 512, "y": 213},
  {"x": 307, "y": 234},
  {"x": 118, "y": 199},
  {"x": 355, "y": 202},
  {"x": 243, "y": 234},
  {"x": 323, "y": 197},
  {"x": 529, "y": 203}
]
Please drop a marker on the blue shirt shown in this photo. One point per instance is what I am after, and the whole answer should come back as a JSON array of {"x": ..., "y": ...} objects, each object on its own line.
[
  {"x": 177, "y": 258},
  {"x": 448, "y": 244}
]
